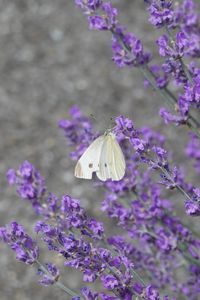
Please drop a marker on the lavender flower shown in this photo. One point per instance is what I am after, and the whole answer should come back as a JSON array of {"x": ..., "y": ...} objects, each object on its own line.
[
  {"x": 107, "y": 20},
  {"x": 161, "y": 13},
  {"x": 20, "y": 242},
  {"x": 78, "y": 131},
  {"x": 148, "y": 217},
  {"x": 49, "y": 277},
  {"x": 30, "y": 184},
  {"x": 153, "y": 246},
  {"x": 128, "y": 50},
  {"x": 94, "y": 262},
  {"x": 185, "y": 43}
]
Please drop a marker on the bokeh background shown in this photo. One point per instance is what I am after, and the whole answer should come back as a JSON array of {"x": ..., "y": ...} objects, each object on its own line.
[{"x": 49, "y": 61}]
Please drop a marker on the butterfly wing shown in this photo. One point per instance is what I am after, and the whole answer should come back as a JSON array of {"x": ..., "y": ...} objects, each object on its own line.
[
  {"x": 112, "y": 162},
  {"x": 89, "y": 161}
]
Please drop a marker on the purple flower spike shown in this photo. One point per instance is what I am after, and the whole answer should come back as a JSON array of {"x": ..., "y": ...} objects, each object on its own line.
[
  {"x": 128, "y": 50},
  {"x": 138, "y": 144},
  {"x": 20, "y": 242},
  {"x": 78, "y": 131},
  {"x": 30, "y": 184},
  {"x": 161, "y": 13},
  {"x": 192, "y": 208},
  {"x": 163, "y": 44},
  {"x": 170, "y": 118},
  {"x": 149, "y": 247}
]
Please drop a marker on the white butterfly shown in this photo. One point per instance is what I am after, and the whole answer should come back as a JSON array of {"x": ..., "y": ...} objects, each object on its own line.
[{"x": 104, "y": 156}]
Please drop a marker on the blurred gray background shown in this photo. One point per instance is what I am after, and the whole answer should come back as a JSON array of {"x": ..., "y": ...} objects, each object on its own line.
[{"x": 49, "y": 60}]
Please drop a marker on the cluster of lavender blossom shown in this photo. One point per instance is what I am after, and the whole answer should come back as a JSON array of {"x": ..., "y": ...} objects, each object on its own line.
[
  {"x": 177, "y": 46},
  {"x": 141, "y": 262},
  {"x": 154, "y": 247}
]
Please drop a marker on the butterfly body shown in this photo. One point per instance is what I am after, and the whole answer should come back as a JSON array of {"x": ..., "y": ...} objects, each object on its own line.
[{"x": 104, "y": 156}]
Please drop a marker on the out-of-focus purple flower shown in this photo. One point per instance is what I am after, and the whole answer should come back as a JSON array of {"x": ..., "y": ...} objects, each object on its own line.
[
  {"x": 197, "y": 193},
  {"x": 51, "y": 206},
  {"x": 161, "y": 12},
  {"x": 89, "y": 276},
  {"x": 183, "y": 106},
  {"x": 176, "y": 49},
  {"x": 192, "y": 208},
  {"x": 20, "y": 242},
  {"x": 161, "y": 77},
  {"x": 11, "y": 176},
  {"x": 69, "y": 204},
  {"x": 138, "y": 288},
  {"x": 181, "y": 40},
  {"x": 95, "y": 227},
  {"x": 128, "y": 49},
  {"x": 147, "y": 218},
  {"x": 75, "y": 217},
  {"x": 78, "y": 131},
  {"x": 187, "y": 16},
  {"x": 165, "y": 241},
  {"x": 183, "y": 15},
  {"x": 168, "y": 117},
  {"x": 98, "y": 22},
  {"x": 151, "y": 293},
  {"x": 124, "y": 128},
  {"x": 88, "y": 4},
  {"x": 105, "y": 21},
  {"x": 161, "y": 155},
  {"x": 173, "y": 69},
  {"x": 30, "y": 184},
  {"x": 187, "y": 44},
  {"x": 192, "y": 91},
  {"x": 164, "y": 48},
  {"x": 49, "y": 277},
  {"x": 138, "y": 144}
]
